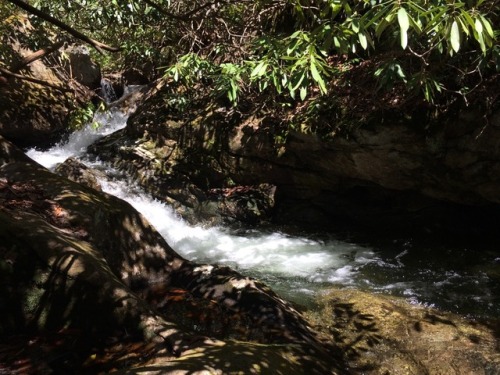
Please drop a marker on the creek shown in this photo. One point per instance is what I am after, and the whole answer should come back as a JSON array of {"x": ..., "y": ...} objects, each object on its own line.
[{"x": 457, "y": 276}]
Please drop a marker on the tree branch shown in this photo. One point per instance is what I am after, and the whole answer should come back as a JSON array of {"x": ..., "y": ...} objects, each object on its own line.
[
  {"x": 94, "y": 43},
  {"x": 16, "y": 67},
  {"x": 186, "y": 17},
  {"x": 8, "y": 73},
  {"x": 165, "y": 12}
]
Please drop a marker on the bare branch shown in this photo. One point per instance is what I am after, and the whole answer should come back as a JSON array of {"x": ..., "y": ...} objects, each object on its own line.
[
  {"x": 186, "y": 17},
  {"x": 36, "y": 56},
  {"x": 8, "y": 73},
  {"x": 164, "y": 11},
  {"x": 94, "y": 43}
]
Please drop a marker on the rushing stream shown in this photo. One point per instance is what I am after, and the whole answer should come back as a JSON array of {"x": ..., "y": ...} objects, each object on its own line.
[{"x": 459, "y": 278}]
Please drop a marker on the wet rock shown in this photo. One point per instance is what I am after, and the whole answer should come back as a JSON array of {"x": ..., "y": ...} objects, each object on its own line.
[
  {"x": 243, "y": 204},
  {"x": 111, "y": 88},
  {"x": 134, "y": 76},
  {"x": 31, "y": 115},
  {"x": 189, "y": 178},
  {"x": 383, "y": 335},
  {"x": 38, "y": 115},
  {"x": 388, "y": 173},
  {"x": 76, "y": 259},
  {"x": 131, "y": 96},
  {"x": 81, "y": 67},
  {"x": 76, "y": 171}
]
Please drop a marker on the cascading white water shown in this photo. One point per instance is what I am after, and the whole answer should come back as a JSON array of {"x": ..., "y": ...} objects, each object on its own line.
[
  {"x": 107, "y": 91},
  {"x": 297, "y": 266},
  {"x": 306, "y": 261},
  {"x": 78, "y": 141}
]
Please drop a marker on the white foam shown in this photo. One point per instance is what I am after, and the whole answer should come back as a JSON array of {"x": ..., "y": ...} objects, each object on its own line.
[
  {"x": 310, "y": 260},
  {"x": 78, "y": 141}
]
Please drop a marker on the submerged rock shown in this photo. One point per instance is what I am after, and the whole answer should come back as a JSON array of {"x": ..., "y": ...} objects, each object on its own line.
[
  {"x": 76, "y": 171},
  {"x": 383, "y": 335}
]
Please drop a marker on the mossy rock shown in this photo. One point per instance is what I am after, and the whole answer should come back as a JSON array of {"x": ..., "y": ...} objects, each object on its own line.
[{"x": 384, "y": 335}]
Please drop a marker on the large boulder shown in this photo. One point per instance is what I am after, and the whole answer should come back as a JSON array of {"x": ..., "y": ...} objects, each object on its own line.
[
  {"x": 384, "y": 335},
  {"x": 33, "y": 114},
  {"x": 79, "y": 66},
  {"x": 393, "y": 171},
  {"x": 84, "y": 272}
]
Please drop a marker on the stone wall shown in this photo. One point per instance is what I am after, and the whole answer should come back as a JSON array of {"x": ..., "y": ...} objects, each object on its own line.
[{"x": 397, "y": 166}]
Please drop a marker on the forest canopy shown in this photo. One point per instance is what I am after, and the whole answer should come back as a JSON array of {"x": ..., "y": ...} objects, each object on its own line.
[{"x": 435, "y": 49}]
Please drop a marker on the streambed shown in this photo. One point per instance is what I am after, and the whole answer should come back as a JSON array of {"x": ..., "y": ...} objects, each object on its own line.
[{"x": 462, "y": 277}]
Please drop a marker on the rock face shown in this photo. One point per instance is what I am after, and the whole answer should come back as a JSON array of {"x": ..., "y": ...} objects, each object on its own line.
[
  {"x": 36, "y": 115},
  {"x": 76, "y": 171},
  {"x": 79, "y": 66},
  {"x": 180, "y": 165},
  {"x": 388, "y": 168},
  {"x": 31, "y": 114},
  {"x": 89, "y": 269},
  {"x": 382, "y": 335}
]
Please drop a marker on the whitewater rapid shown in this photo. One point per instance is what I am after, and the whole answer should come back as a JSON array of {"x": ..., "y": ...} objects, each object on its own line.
[
  {"x": 296, "y": 264},
  {"x": 299, "y": 266}
]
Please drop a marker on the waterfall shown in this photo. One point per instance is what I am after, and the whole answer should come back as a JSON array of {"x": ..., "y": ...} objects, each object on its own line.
[
  {"x": 78, "y": 141},
  {"x": 298, "y": 266},
  {"x": 107, "y": 91}
]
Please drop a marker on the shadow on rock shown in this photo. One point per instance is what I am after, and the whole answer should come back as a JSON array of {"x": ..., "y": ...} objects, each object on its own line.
[{"x": 383, "y": 335}]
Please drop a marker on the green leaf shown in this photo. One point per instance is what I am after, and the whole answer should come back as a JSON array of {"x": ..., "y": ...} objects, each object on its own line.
[
  {"x": 232, "y": 93},
  {"x": 404, "y": 39},
  {"x": 292, "y": 47},
  {"x": 416, "y": 25},
  {"x": 487, "y": 26},
  {"x": 362, "y": 40},
  {"x": 463, "y": 25},
  {"x": 292, "y": 87},
  {"x": 455, "y": 36},
  {"x": 336, "y": 42},
  {"x": 400, "y": 73},
  {"x": 314, "y": 72},
  {"x": 404, "y": 24},
  {"x": 480, "y": 39},
  {"x": 355, "y": 25},
  {"x": 284, "y": 80},
  {"x": 336, "y": 8},
  {"x": 259, "y": 70},
  {"x": 467, "y": 17},
  {"x": 317, "y": 77},
  {"x": 479, "y": 26},
  {"x": 303, "y": 92}
]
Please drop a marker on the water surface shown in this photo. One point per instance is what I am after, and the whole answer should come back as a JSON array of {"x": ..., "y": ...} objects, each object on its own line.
[{"x": 459, "y": 277}]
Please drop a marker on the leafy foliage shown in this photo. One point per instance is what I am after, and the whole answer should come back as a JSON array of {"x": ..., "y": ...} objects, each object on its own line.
[
  {"x": 422, "y": 40},
  {"x": 434, "y": 48},
  {"x": 80, "y": 117}
]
